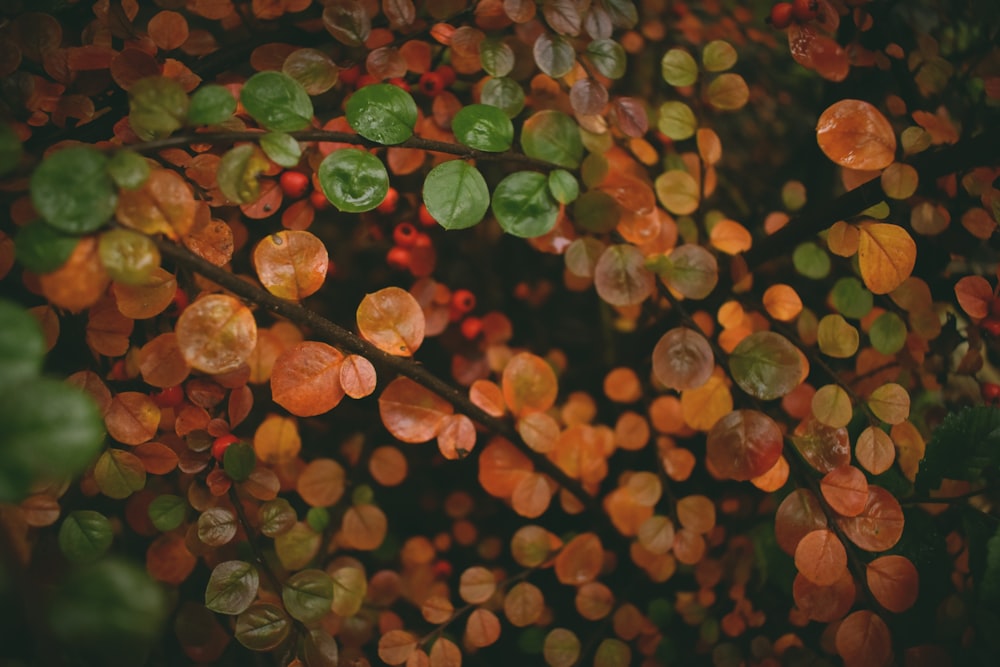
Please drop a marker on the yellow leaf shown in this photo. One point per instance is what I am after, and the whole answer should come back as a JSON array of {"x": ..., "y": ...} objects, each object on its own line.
[{"x": 886, "y": 255}]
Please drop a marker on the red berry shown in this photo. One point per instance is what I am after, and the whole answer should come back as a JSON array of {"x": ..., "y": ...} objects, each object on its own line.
[
  {"x": 318, "y": 200},
  {"x": 441, "y": 569},
  {"x": 425, "y": 217},
  {"x": 350, "y": 75},
  {"x": 422, "y": 241},
  {"x": 447, "y": 73},
  {"x": 118, "y": 371},
  {"x": 463, "y": 300},
  {"x": 405, "y": 234},
  {"x": 170, "y": 397},
  {"x": 432, "y": 84},
  {"x": 181, "y": 300},
  {"x": 399, "y": 83},
  {"x": 471, "y": 327},
  {"x": 398, "y": 257},
  {"x": 294, "y": 184},
  {"x": 991, "y": 391},
  {"x": 781, "y": 15},
  {"x": 221, "y": 444},
  {"x": 366, "y": 80},
  {"x": 991, "y": 325},
  {"x": 804, "y": 10},
  {"x": 388, "y": 204}
]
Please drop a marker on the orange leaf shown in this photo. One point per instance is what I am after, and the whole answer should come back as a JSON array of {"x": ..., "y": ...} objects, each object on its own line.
[
  {"x": 357, "y": 376},
  {"x": 523, "y": 604},
  {"x": 842, "y": 239},
  {"x": 529, "y": 384},
  {"x": 696, "y": 513},
  {"x": 410, "y": 412},
  {"x": 132, "y": 418},
  {"x": 396, "y": 646},
  {"x": 291, "y": 264},
  {"x": 387, "y": 465},
  {"x": 890, "y": 403},
  {"x": 974, "y": 295},
  {"x": 846, "y": 490},
  {"x": 169, "y": 30},
  {"x": 277, "y": 439},
  {"x": 161, "y": 362},
  {"x": 321, "y": 483},
  {"x": 879, "y": 525},
  {"x": 894, "y": 582},
  {"x": 305, "y": 379},
  {"x": 863, "y": 640},
  {"x": 216, "y": 334},
  {"x": 149, "y": 300},
  {"x": 392, "y": 320},
  {"x": 874, "y": 450},
  {"x": 580, "y": 560},
  {"x": 820, "y": 557},
  {"x": 502, "y": 467},
  {"x": 856, "y": 135},
  {"x": 782, "y": 302},
  {"x": 825, "y": 604},
  {"x": 886, "y": 256},
  {"x": 163, "y": 205},
  {"x": 364, "y": 527},
  {"x": 482, "y": 628},
  {"x": 707, "y": 404},
  {"x": 80, "y": 282},
  {"x": 730, "y": 237},
  {"x": 456, "y": 437},
  {"x": 532, "y": 495}
]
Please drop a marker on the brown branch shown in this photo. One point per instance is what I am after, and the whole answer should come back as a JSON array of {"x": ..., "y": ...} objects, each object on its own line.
[
  {"x": 977, "y": 151},
  {"x": 420, "y": 143},
  {"x": 347, "y": 341}
]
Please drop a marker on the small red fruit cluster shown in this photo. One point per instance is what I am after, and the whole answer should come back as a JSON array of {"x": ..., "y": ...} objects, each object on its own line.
[
  {"x": 296, "y": 185},
  {"x": 434, "y": 82},
  {"x": 784, "y": 14}
]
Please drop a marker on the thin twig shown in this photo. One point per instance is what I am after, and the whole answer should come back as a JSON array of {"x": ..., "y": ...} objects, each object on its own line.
[{"x": 223, "y": 138}]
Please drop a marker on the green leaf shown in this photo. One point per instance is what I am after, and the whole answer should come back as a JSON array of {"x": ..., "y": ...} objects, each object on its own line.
[
  {"x": 211, "y": 104},
  {"x": 678, "y": 68},
  {"x": 238, "y": 171},
  {"x": 262, "y": 627},
  {"x": 483, "y": 127},
  {"x": 158, "y": 106},
  {"x": 231, "y": 587},
  {"x": 128, "y": 169},
  {"x": 677, "y": 120},
  {"x": 563, "y": 186},
  {"x": 623, "y": 13},
  {"x": 608, "y": 57},
  {"x": 554, "y": 137},
  {"x": 766, "y": 365},
  {"x": 109, "y": 612},
  {"x": 349, "y": 589},
  {"x": 523, "y": 206},
  {"x": 50, "y": 430},
  {"x": 71, "y": 189},
  {"x": 456, "y": 195},
  {"x": 690, "y": 270},
  {"x": 383, "y": 113},
  {"x": 505, "y": 94},
  {"x": 167, "y": 512},
  {"x": 964, "y": 445},
  {"x": 42, "y": 248},
  {"x": 718, "y": 56},
  {"x": 596, "y": 211},
  {"x": 353, "y": 180},
  {"x": 851, "y": 298},
  {"x": 319, "y": 649},
  {"x": 22, "y": 345},
  {"x": 11, "y": 149},
  {"x": 84, "y": 536},
  {"x": 277, "y": 102},
  {"x": 307, "y": 595},
  {"x": 496, "y": 57},
  {"x": 554, "y": 55},
  {"x": 888, "y": 333},
  {"x": 281, "y": 148},
  {"x": 811, "y": 261},
  {"x": 239, "y": 460},
  {"x": 318, "y": 518},
  {"x": 119, "y": 474}
]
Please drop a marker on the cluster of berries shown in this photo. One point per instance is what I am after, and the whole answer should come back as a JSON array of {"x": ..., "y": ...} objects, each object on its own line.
[{"x": 784, "y": 14}]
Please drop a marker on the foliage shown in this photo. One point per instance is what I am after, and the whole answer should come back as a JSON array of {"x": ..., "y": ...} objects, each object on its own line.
[{"x": 428, "y": 333}]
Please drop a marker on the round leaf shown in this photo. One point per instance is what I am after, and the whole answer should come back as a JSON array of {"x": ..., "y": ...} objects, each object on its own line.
[
  {"x": 505, "y": 94},
  {"x": 483, "y": 127},
  {"x": 744, "y": 444},
  {"x": 856, "y": 135},
  {"x": 383, "y": 113},
  {"x": 718, "y": 56},
  {"x": 683, "y": 359},
  {"x": 678, "y": 68},
  {"x": 554, "y": 137},
  {"x": 523, "y": 206},
  {"x": 84, "y": 536},
  {"x": 677, "y": 120},
  {"x": 307, "y": 595},
  {"x": 22, "y": 344},
  {"x": 211, "y": 105},
  {"x": 496, "y": 57},
  {"x": 72, "y": 190},
  {"x": 608, "y": 57},
  {"x": 353, "y": 180},
  {"x": 766, "y": 365},
  {"x": 886, "y": 256},
  {"x": 392, "y": 320},
  {"x": 232, "y": 587},
  {"x": 563, "y": 186},
  {"x": 50, "y": 429},
  {"x": 262, "y": 627},
  {"x": 455, "y": 193},
  {"x": 237, "y": 173},
  {"x": 554, "y": 55},
  {"x": 167, "y": 512},
  {"x": 216, "y": 334},
  {"x": 281, "y": 148},
  {"x": 291, "y": 264},
  {"x": 158, "y": 105},
  {"x": 277, "y": 101}
]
